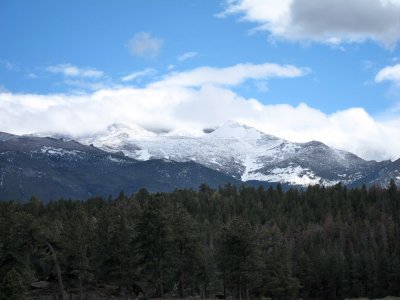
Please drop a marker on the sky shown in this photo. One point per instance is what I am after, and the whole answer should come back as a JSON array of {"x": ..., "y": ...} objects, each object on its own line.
[{"x": 326, "y": 70}]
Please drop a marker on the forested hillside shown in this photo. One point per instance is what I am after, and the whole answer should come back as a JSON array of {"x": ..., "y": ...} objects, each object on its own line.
[{"x": 317, "y": 243}]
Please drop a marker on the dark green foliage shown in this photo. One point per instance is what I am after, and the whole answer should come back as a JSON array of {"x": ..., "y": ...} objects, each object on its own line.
[
  {"x": 318, "y": 243},
  {"x": 151, "y": 244},
  {"x": 13, "y": 286},
  {"x": 240, "y": 258}
]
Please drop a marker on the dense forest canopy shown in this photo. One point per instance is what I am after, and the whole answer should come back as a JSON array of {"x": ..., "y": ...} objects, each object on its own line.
[{"x": 317, "y": 243}]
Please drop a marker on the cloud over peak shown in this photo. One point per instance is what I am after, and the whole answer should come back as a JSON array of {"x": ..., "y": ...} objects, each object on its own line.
[{"x": 197, "y": 99}]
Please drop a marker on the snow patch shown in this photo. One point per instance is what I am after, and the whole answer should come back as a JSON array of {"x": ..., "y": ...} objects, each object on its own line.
[
  {"x": 114, "y": 159},
  {"x": 250, "y": 165},
  {"x": 143, "y": 154},
  {"x": 293, "y": 174},
  {"x": 59, "y": 151},
  {"x": 214, "y": 161}
]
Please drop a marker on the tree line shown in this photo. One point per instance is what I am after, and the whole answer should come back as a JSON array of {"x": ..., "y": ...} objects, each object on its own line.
[{"x": 245, "y": 243}]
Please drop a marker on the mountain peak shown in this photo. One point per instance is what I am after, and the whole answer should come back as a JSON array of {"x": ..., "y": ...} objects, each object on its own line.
[
  {"x": 235, "y": 130},
  {"x": 117, "y": 126},
  {"x": 135, "y": 131},
  {"x": 234, "y": 124}
]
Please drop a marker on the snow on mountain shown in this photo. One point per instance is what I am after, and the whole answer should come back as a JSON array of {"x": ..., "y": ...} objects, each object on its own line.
[
  {"x": 295, "y": 175},
  {"x": 119, "y": 133},
  {"x": 120, "y": 138},
  {"x": 232, "y": 148},
  {"x": 52, "y": 168},
  {"x": 58, "y": 151},
  {"x": 234, "y": 130},
  {"x": 239, "y": 151}
]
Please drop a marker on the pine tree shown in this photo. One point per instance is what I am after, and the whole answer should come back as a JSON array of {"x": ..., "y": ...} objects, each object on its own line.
[
  {"x": 185, "y": 246},
  {"x": 13, "y": 286},
  {"x": 152, "y": 245},
  {"x": 239, "y": 257}
]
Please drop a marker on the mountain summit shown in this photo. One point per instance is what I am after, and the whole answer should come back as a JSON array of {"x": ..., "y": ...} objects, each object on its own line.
[
  {"x": 242, "y": 152},
  {"x": 235, "y": 130}
]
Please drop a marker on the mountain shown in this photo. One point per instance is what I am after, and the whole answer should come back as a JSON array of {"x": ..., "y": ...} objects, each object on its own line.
[
  {"x": 382, "y": 176},
  {"x": 129, "y": 158},
  {"x": 52, "y": 168},
  {"x": 117, "y": 137},
  {"x": 243, "y": 153}
]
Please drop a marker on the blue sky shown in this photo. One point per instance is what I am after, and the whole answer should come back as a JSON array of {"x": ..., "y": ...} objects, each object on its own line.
[{"x": 58, "y": 52}]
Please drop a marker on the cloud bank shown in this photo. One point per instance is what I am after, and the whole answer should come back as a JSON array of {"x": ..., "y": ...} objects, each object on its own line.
[
  {"x": 327, "y": 21},
  {"x": 201, "y": 98}
]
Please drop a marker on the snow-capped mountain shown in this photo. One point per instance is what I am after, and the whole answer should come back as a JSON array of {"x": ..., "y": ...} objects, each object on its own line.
[
  {"x": 230, "y": 148},
  {"x": 126, "y": 158},
  {"x": 241, "y": 152},
  {"x": 51, "y": 168},
  {"x": 120, "y": 138}
]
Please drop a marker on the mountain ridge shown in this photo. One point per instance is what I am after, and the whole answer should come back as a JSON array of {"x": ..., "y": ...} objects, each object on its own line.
[
  {"x": 122, "y": 158},
  {"x": 54, "y": 168},
  {"x": 246, "y": 153}
]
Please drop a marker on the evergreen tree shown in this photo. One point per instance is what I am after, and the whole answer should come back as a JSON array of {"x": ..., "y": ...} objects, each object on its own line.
[
  {"x": 152, "y": 244},
  {"x": 239, "y": 258},
  {"x": 186, "y": 246}
]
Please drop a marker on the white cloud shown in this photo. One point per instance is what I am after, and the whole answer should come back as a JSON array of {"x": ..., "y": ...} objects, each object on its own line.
[
  {"x": 193, "y": 103},
  {"x": 143, "y": 44},
  {"x": 139, "y": 74},
  {"x": 270, "y": 14},
  {"x": 186, "y": 56},
  {"x": 391, "y": 73},
  {"x": 231, "y": 76},
  {"x": 69, "y": 70},
  {"x": 328, "y": 21}
]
